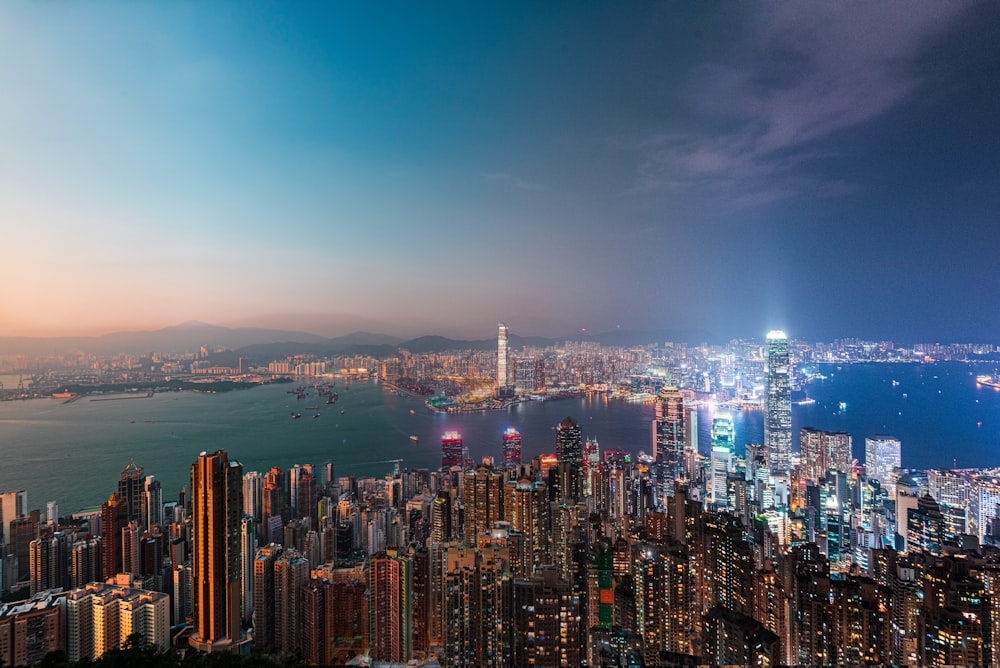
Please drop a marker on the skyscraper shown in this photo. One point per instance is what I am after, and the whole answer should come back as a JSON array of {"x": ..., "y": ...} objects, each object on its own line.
[
  {"x": 882, "y": 455},
  {"x": 503, "y": 359},
  {"x": 132, "y": 492},
  {"x": 569, "y": 452},
  {"x": 778, "y": 405},
  {"x": 451, "y": 449},
  {"x": 216, "y": 505},
  {"x": 511, "y": 448},
  {"x": 722, "y": 458},
  {"x": 668, "y": 441}
]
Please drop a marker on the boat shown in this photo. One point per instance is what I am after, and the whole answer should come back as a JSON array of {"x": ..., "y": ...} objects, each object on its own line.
[
  {"x": 296, "y": 416},
  {"x": 413, "y": 412},
  {"x": 988, "y": 381},
  {"x": 315, "y": 416},
  {"x": 414, "y": 439},
  {"x": 342, "y": 411},
  {"x": 311, "y": 408}
]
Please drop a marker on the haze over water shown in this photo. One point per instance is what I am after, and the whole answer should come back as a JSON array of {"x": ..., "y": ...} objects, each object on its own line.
[{"x": 73, "y": 453}]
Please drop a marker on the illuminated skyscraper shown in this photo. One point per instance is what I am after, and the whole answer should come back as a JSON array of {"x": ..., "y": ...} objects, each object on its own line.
[
  {"x": 778, "y": 405},
  {"x": 722, "y": 459},
  {"x": 668, "y": 441},
  {"x": 216, "y": 507},
  {"x": 882, "y": 455},
  {"x": 482, "y": 496},
  {"x": 822, "y": 451},
  {"x": 569, "y": 452},
  {"x": 504, "y": 386},
  {"x": 451, "y": 449},
  {"x": 511, "y": 448}
]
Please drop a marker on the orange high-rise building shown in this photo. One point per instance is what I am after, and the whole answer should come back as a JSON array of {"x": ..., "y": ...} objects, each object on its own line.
[{"x": 216, "y": 506}]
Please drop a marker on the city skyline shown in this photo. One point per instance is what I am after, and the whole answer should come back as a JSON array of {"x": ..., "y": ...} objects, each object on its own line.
[{"x": 827, "y": 170}]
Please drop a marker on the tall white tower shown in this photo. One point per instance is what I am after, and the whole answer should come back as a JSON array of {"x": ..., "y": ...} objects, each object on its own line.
[
  {"x": 778, "y": 406},
  {"x": 503, "y": 359}
]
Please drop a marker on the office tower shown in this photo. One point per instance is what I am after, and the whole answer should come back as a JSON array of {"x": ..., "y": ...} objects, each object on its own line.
[
  {"x": 778, "y": 405},
  {"x": 12, "y": 506},
  {"x": 31, "y": 629},
  {"x": 131, "y": 492},
  {"x": 504, "y": 386},
  {"x": 569, "y": 453},
  {"x": 451, "y": 449},
  {"x": 668, "y": 441},
  {"x": 23, "y": 530},
  {"x": 390, "y": 607},
  {"x": 723, "y": 437},
  {"x": 303, "y": 488},
  {"x": 153, "y": 503},
  {"x": 482, "y": 499},
  {"x": 511, "y": 448},
  {"x": 569, "y": 443},
  {"x": 882, "y": 455},
  {"x": 546, "y": 616},
  {"x": 216, "y": 506},
  {"x": 49, "y": 562},
  {"x": 85, "y": 562},
  {"x": 52, "y": 515}
]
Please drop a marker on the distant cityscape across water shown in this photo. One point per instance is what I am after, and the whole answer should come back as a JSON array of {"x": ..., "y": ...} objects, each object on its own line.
[{"x": 72, "y": 453}]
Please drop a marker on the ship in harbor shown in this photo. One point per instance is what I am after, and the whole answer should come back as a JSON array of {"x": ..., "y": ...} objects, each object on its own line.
[{"x": 988, "y": 381}]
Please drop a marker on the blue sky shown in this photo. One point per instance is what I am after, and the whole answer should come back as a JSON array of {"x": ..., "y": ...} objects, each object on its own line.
[{"x": 831, "y": 169}]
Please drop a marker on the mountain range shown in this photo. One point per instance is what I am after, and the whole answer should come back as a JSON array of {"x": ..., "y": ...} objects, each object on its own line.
[{"x": 259, "y": 344}]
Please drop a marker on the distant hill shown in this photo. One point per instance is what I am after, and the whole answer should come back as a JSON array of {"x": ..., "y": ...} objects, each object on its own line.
[
  {"x": 189, "y": 336},
  {"x": 259, "y": 345}
]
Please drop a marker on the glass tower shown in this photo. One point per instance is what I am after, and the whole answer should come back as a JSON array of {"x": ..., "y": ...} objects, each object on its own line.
[{"x": 778, "y": 406}]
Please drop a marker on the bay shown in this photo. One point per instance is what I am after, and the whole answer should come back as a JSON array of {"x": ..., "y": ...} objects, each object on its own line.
[{"x": 73, "y": 452}]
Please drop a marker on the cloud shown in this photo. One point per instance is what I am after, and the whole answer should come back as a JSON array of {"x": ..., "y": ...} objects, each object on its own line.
[{"x": 800, "y": 73}]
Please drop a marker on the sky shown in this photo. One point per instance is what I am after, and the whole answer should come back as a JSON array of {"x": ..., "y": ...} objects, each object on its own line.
[{"x": 830, "y": 169}]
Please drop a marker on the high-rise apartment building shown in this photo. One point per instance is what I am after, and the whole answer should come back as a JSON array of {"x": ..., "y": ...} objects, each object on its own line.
[
  {"x": 216, "y": 507},
  {"x": 85, "y": 562},
  {"x": 100, "y": 617},
  {"x": 482, "y": 498},
  {"x": 49, "y": 562},
  {"x": 153, "y": 502},
  {"x": 822, "y": 451},
  {"x": 778, "y": 405},
  {"x": 451, "y": 449},
  {"x": 31, "y": 629},
  {"x": 390, "y": 607}
]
